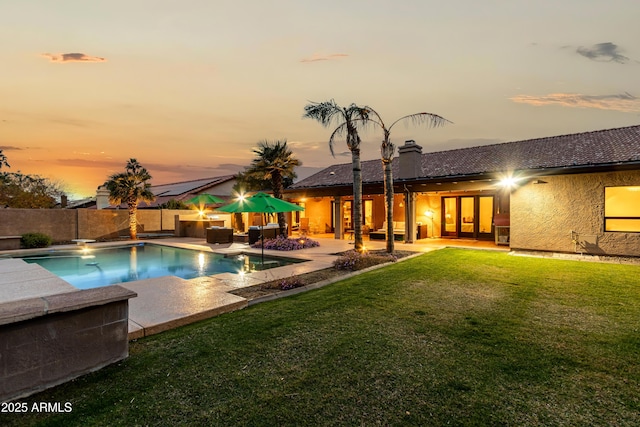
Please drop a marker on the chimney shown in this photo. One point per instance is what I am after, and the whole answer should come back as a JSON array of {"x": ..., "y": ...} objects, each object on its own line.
[
  {"x": 102, "y": 197},
  {"x": 63, "y": 201},
  {"x": 410, "y": 159}
]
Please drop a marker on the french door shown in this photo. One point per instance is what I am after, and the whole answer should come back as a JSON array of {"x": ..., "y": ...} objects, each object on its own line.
[{"x": 468, "y": 216}]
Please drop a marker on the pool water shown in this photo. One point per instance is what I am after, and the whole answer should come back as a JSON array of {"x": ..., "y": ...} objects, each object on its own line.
[{"x": 92, "y": 268}]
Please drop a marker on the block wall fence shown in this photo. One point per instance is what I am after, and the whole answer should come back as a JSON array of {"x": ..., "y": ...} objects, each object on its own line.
[{"x": 64, "y": 225}]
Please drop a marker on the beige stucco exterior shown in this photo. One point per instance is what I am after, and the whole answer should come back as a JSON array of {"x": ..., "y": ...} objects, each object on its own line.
[
  {"x": 558, "y": 213},
  {"x": 543, "y": 215}
]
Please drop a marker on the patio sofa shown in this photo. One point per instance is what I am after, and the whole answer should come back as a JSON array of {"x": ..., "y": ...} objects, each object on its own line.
[
  {"x": 219, "y": 235},
  {"x": 381, "y": 234},
  {"x": 270, "y": 231}
]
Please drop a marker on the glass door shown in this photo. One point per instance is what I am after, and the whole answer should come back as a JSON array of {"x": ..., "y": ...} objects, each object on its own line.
[
  {"x": 485, "y": 217},
  {"x": 467, "y": 217},
  {"x": 348, "y": 215},
  {"x": 367, "y": 216},
  {"x": 450, "y": 216}
]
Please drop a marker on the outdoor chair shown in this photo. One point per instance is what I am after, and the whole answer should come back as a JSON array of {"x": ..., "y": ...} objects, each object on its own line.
[{"x": 304, "y": 226}]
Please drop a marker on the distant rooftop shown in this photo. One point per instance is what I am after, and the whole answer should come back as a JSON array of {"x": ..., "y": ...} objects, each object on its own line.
[{"x": 186, "y": 188}]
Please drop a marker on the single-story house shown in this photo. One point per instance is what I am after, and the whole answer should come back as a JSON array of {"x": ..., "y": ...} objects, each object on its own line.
[{"x": 568, "y": 193}]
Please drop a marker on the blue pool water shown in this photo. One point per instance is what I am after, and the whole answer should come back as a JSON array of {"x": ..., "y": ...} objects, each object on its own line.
[{"x": 92, "y": 268}]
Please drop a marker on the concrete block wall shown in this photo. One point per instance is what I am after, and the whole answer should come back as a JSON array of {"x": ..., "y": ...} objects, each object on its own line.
[
  {"x": 64, "y": 225},
  {"x": 50, "y": 340},
  {"x": 60, "y": 223}
]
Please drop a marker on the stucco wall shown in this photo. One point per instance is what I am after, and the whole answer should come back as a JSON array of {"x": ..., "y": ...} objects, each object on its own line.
[
  {"x": 319, "y": 213},
  {"x": 544, "y": 215}
]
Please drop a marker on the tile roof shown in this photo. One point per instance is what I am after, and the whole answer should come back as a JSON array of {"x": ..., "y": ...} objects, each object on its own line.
[{"x": 597, "y": 148}]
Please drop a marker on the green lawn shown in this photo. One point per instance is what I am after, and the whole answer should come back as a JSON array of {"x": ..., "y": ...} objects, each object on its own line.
[{"x": 453, "y": 337}]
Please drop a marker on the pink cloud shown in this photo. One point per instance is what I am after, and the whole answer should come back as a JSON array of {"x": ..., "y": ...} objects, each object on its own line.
[
  {"x": 72, "y": 57},
  {"x": 624, "y": 102},
  {"x": 318, "y": 57}
]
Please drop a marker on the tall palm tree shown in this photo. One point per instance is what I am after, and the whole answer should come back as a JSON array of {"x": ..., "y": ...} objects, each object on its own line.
[
  {"x": 347, "y": 120},
  {"x": 387, "y": 151},
  {"x": 274, "y": 162},
  {"x": 130, "y": 187},
  {"x": 3, "y": 160}
]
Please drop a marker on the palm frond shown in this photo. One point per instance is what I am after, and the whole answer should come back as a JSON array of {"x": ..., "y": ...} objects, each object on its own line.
[
  {"x": 337, "y": 133},
  {"x": 130, "y": 186},
  {"x": 431, "y": 120},
  {"x": 325, "y": 113},
  {"x": 372, "y": 113},
  {"x": 274, "y": 162}
]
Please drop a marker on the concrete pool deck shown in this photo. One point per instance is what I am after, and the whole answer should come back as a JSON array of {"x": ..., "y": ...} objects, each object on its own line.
[{"x": 168, "y": 302}]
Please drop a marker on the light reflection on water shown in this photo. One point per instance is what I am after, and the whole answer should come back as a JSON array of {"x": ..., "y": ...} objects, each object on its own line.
[{"x": 101, "y": 267}]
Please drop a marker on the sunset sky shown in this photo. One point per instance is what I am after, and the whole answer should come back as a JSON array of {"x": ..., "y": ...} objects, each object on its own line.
[{"x": 189, "y": 87}]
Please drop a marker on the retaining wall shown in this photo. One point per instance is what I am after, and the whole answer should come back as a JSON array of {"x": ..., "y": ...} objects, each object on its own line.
[{"x": 52, "y": 339}]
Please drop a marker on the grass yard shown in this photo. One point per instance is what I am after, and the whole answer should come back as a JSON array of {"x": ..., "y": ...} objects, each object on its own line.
[{"x": 453, "y": 337}]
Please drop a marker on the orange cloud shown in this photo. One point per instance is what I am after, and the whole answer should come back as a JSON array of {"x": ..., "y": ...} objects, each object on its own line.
[
  {"x": 624, "y": 102},
  {"x": 72, "y": 57},
  {"x": 318, "y": 57}
]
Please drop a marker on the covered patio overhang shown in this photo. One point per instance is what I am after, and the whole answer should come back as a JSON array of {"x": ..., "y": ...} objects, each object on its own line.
[{"x": 412, "y": 199}]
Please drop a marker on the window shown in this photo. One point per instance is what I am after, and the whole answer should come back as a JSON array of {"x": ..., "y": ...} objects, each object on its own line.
[
  {"x": 622, "y": 209},
  {"x": 367, "y": 213}
]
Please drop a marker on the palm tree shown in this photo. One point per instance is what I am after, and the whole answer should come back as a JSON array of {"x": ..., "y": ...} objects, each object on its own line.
[
  {"x": 347, "y": 120},
  {"x": 3, "y": 160},
  {"x": 274, "y": 162},
  {"x": 387, "y": 151},
  {"x": 130, "y": 187}
]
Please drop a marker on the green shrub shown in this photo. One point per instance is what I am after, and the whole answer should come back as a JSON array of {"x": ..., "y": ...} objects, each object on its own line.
[{"x": 35, "y": 240}]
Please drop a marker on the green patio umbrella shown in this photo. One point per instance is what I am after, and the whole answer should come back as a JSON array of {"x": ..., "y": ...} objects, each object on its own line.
[
  {"x": 260, "y": 203},
  {"x": 204, "y": 199}
]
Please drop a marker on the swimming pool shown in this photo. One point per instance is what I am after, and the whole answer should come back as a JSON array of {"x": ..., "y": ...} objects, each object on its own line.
[{"x": 88, "y": 268}]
